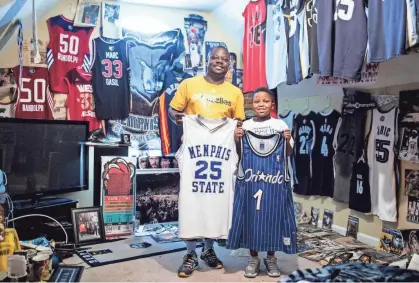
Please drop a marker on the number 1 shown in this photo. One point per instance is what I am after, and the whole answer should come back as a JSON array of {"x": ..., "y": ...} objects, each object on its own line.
[{"x": 258, "y": 197}]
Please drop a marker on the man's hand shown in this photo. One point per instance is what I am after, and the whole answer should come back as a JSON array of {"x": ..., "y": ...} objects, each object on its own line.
[
  {"x": 178, "y": 118},
  {"x": 287, "y": 134}
]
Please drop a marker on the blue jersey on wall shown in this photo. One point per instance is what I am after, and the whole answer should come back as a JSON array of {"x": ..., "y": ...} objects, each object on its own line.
[{"x": 263, "y": 210}]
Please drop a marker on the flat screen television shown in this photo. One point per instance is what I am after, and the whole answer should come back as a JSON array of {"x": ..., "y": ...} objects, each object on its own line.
[{"x": 43, "y": 157}]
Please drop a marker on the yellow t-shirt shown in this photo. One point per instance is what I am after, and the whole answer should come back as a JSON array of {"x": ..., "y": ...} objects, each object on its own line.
[{"x": 196, "y": 96}]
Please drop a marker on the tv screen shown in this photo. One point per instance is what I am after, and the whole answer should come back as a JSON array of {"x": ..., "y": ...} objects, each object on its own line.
[{"x": 43, "y": 157}]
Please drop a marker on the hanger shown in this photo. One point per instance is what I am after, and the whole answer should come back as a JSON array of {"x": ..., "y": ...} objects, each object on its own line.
[
  {"x": 287, "y": 110},
  {"x": 307, "y": 109},
  {"x": 362, "y": 158},
  {"x": 328, "y": 106}
]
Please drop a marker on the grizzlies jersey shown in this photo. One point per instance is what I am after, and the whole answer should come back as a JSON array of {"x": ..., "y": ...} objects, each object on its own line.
[
  {"x": 68, "y": 48},
  {"x": 386, "y": 30},
  {"x": 254, "y": 69},
  {"x": 311, "y": 17},
  {"x": 110, "y": 78},
  {"x": 348, "y": 145},
  {"x": 350, "y": 38},
  {"x": 263, "y": 211},
  {"x": 170, "y": 132},
  {"x": 381, "y": 147},
  {"x": 276, "y": 44},
  {"x": 325, "y": 36},
  {"x": 360, "y": 194},
  {"x": 304, "y": 137},
  {"x": 296, "y": 32},
  {"x": 207, "y": 164},
  {"x": 323, "y": 152}
]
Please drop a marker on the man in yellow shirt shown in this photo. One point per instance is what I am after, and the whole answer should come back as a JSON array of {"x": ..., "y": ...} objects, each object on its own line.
[{"x": 211, "y": 97}]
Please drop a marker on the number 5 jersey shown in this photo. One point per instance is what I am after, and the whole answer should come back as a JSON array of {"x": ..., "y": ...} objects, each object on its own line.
[
  {"x": 207, "y": 164},
  {"x": 381, "y": 147}
]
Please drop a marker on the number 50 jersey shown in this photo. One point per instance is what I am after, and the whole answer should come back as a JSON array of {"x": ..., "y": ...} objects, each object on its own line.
[{"x": 207, "y": 163}]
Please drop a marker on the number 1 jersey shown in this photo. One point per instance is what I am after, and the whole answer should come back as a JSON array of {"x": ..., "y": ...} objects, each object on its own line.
[
  {"x": 207, "y": 163},
  {"x": 34, "y": 100},
  {"x": 110, "y": 79},
  {"x": 67, "y": 49}
]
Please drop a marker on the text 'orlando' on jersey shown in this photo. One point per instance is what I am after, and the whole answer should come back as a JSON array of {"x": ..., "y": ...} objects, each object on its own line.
[
  {"x": 207, "y": 162},
  {"x": 67, "y": 49},
  {"x": 34, "y": 100},
  {"x": 80, "y": 103},
  {"x": 110, "y": 78},
  {"x": 254, "y": 69}
]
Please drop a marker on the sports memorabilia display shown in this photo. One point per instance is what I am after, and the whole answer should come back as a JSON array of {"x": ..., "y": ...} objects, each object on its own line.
[{"x": 195, "y": 29}]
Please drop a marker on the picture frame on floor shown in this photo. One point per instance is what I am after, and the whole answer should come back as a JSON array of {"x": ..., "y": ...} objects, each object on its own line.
[{"x": 88, "y": 225}]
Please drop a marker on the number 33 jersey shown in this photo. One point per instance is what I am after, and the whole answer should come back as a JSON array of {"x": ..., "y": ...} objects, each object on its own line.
[
  {"x": 110, "y": 79},
  {"x": 207, "y": 164},
  {"x": 381, "y": 161}
]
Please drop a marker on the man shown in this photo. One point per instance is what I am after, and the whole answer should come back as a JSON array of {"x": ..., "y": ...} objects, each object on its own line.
[
  {"x": 154, "y": 161},
  {"x": 211, "y": 97}
]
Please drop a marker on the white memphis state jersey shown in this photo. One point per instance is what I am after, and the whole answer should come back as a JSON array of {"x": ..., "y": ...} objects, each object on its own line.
[
  {"x": 207, "y": 163},
  {"x": 381, "y": 145}
]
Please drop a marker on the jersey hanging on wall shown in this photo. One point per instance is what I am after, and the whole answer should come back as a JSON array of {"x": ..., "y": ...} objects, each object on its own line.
[
  {"x": 207, "y": 162},
  {"x": 263, "y": 211},
  {"x": 110, "y": 78},
  {"x": 254, "y": 69},
  {"x": 67, "y": 49},
  {"x": 296, "y": 32},
  {"x": 34, "y": 100},
  {"x": 311, "y": 17},
  {"x": 323, "y": 153},
  {"x": 151, "y": 55},
  {"x": 170, "y": 132},
  {"x": 381, "y": 147},
  {"x": 360, "y": 193},
  {"x": 276, "y": 44},
  {"x": 80, "y": 103},
  {"x": 304, "y": 137}
]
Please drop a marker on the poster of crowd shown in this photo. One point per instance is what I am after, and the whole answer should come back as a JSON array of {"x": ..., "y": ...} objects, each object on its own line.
[{"x": 157, "y": 198}]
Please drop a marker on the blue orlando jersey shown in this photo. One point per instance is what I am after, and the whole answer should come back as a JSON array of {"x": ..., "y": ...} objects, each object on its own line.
[{"x": 263, "y": 210}]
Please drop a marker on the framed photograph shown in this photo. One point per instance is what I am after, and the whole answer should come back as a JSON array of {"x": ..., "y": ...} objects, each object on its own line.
[
  {"x": 67, "y": 274},
  {"x": 87, "y": 13},
  {"x": 111, "y": 17},
  {"x": 88, "y": 225}
]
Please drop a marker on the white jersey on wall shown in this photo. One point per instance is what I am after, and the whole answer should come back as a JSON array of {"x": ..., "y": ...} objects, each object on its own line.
[
  {"x": 276, "y": 44},
  {"x": 6, "y": 110},
  {"x": 207, "y": 164},
  {"x": 381, "y": 146}
]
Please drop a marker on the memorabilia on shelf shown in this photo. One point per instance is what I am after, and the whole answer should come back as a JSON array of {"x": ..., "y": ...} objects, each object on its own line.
[{"x": 87, "y": 225}]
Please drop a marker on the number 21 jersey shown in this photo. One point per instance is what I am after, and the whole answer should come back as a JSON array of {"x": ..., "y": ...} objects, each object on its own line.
[
  {"x": 381, "y": 161},
  {"x": 67, "y": 49},
  {"x": 33, "y": 99},
  {"x": 207, "y": 163},
  {"x": 305, "y": 135},
  {"x": 110, "y": 78}
]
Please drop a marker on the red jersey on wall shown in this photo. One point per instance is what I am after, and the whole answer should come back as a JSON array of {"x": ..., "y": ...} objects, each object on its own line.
[
  {"x": 34, "y": 100},
  {"x": 67, "y": 49},
  {"x": 80, "y": 103},
  {"x": 254, "y": 71}
]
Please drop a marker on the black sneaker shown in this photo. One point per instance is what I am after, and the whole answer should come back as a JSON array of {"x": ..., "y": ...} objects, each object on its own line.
[
  {"x": 190, "y": 263},
  {"x": 211, "y": 258}
]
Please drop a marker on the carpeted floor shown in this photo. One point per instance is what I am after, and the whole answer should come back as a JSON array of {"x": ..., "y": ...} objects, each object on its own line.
[{"x": 164, "y": 268}]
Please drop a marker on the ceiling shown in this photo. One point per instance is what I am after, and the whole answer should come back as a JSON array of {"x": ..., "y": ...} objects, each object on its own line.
[{"x": 197, "y": 5}]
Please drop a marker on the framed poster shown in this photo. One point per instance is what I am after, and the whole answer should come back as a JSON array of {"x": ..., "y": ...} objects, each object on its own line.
[{"x": 118, "y": 187}]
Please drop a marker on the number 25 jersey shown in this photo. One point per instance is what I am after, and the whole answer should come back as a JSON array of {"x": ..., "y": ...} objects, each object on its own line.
[
  {"x": 110, "y": 79},
  {"x": 207, "y": 163}
]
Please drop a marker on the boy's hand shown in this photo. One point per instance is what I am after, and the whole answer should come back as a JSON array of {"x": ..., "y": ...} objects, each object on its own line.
[
  {"x": 238, "y": 131},
  {"x": 287, "y": 134}
]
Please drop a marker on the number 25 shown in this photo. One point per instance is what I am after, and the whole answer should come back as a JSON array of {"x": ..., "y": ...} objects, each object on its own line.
[{"x": 202, "y": 166}]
